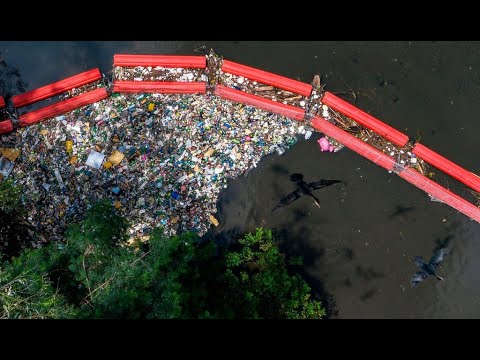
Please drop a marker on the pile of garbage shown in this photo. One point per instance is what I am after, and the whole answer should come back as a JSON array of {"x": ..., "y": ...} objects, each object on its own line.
[
  {"x": 266, "y": 91},
  {"x": 402, "y": 156},
  {"x": 161, "y": 159},
  {"x": 158, "y": 73}
]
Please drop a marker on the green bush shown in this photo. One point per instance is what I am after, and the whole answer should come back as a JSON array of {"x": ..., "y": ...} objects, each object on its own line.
[
  {"x": 10, "y": 194},
  {"x": 97, "y": 275},
  {"x": 26, "y": 290},
  {"x": 259, "y": 284}
]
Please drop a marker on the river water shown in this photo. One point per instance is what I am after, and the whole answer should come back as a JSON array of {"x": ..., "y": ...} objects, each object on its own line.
[{"x": 358, "y": 247}]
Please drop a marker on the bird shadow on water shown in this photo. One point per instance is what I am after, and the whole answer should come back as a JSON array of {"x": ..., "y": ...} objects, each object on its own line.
[
  {"x": 401, "y": 210},
  {"x": 368, "y": 274},
  {"x": 280, "y": 169}
]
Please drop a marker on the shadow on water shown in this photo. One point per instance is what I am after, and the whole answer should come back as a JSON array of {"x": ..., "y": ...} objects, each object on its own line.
[
  {"x": 280, "y": 169},
  {"x": 349, "y": 254},
  {"x": 368, "y": 294},
  {"x": 401, "y": 210},
  {"x": 367, "y": 273},
  {"x": 11, "y": 82}
]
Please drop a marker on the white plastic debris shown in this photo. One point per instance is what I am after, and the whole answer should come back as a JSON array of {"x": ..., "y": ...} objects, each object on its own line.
[
  {"x": 59, "y": 178},
  {"x": 95, "y": 159}
]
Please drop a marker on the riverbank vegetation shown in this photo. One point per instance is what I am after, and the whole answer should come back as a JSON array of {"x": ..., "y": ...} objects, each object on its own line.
[{"x": 96, "y": 273}]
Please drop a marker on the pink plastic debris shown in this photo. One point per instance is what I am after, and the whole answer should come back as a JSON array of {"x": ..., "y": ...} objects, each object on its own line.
[{"x": 325, "y": 144}]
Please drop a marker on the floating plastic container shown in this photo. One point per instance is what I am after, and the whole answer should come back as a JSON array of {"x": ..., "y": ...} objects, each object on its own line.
[{"x": 69, "y": 146}]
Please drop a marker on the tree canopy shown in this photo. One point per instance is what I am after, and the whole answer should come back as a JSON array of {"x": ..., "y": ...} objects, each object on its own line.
[{"x": 96, "y": 273}]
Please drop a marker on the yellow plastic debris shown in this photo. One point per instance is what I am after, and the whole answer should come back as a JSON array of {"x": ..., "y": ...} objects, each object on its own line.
[
  {"x": 73, "y": 159},
  {"x": 209, "y": 152},
  {"x": 214, "y": 220},
  {"x": 118, "y": 204},
  {"x": 10, "y": 154},
  {"x": 107, "y": 165},
  {"x": 151, "y": 106},
  {"x": 43, "y": 132},
  {"x": 116, "y": 158},
  {"x": 69, "y": 146}
]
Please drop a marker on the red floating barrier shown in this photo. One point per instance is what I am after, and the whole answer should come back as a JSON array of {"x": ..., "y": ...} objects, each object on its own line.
[
  {"x": 2, "y": 102},
  {"x": 353, "y": 143},
  {"x": 62, "y": 107},
  {"x": 439, "y": 192},
  {"x": 6, "y": 127},
  {"x": 130, "y": 60},
  {"x": 365, "y": 119},
  {"x": 56, "y": 88},
  {"x": 409, "y": 174},
  {"x": 161, "y": 87},
  {"x": 289, "y": 111},
  {"x": 266, "y": 77},
  {"x": 448, "y": 167}
]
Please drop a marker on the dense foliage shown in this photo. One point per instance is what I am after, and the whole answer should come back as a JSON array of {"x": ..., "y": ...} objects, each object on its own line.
[
  {"x": 97, "y": 274},
  {"x": 9, "y": 196}
]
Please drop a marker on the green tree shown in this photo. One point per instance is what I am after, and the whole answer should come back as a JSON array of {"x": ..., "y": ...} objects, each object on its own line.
[
  {"x": 259, "y": 284},
  {"x": 10, "y": 194},
  {"x": 96, "y": 274},
  {"x": 95, "y": 248}
]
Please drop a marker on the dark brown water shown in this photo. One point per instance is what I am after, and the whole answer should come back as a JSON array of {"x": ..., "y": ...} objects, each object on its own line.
[{"x": 358, "y": 246}]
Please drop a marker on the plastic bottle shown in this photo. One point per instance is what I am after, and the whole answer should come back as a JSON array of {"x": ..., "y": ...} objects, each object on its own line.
[{"x": 59, "y": 178}]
